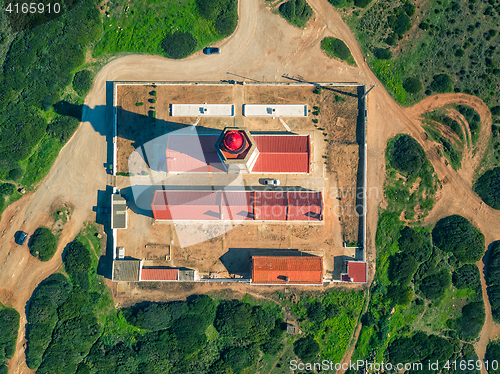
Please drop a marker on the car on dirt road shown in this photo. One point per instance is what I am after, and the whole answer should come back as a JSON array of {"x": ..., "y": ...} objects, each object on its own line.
[
  {"x": 211, "y": 51},
  {"x": 21, "y": 237},
  {"x": 271, "y": 182}
]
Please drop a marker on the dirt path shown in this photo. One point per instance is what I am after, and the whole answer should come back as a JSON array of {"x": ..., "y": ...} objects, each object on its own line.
[{"x": 264, "y": 47}]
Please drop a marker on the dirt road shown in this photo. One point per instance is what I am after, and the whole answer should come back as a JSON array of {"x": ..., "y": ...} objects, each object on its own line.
[{"x": 264, "y": 47}]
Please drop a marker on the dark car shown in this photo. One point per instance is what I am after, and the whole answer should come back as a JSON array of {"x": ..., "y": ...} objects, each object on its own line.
[
  {"x": 211, "y": 51},
  {"x": 21, "y": 238}
]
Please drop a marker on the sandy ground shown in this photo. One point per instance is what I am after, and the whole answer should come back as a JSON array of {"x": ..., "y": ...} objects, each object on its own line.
[{"x": 263, "y": 46}]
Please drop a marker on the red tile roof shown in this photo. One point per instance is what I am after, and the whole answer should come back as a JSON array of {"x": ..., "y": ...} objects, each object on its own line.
[
  {"x": 237, "y": 205},
  {"x": 282, "y": 154},
  {"x": 159, "y": 274},
  {"x": 298, "y": 269},
  {"x": 304, "y": 206},
  {"x": 270, "y": 205},
  {"x": 195, "y": 153},
  {"x": 356, "y": 270},
  {"x": 186, "y": 205}
]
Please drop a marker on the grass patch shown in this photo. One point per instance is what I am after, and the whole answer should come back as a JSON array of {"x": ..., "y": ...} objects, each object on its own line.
[
  {"x": 440, "y": 116},
  {"x": 334, "y": 47},
  {"x": 141, "y": 27},
  {"x": 40, "y": 162},
  {"x": 412, "y": 194}
]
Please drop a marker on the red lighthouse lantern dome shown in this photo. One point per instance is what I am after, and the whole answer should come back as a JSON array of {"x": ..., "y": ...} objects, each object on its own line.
[{"x": 234, "y": 141}]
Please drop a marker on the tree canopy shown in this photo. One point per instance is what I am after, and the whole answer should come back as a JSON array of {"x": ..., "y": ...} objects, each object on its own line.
[
  {"x": 441, "y": 83},
  {"x": 457, "y": 235},
  {"x": 296, "y": 12},
  {"x": 407, "y": 155},
  {"x": 488, "y": 187},
  {"x": 306, "y": 348},
  {"x": 179, "y": 45},
  {"x": 412, "y": 85},
  {"x": 43, "y": 244},
  {"x": 416, "y": 243},
  {"x": 82, "y": 82},
  {"x": 435, "y": 285}
]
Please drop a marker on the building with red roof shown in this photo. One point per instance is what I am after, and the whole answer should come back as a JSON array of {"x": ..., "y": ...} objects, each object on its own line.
[
  {"x": 159, "y": 274},
  {"x": 282, "y": 154},
  {"x": 237, "y": 150},
  {"x": 270, "y": 205},
  {"x": 304, "y": 206},
  {"x": 279, "y": 270},
  {"x": 356, "y": 272},
  {"x": 237, "y": 205}
]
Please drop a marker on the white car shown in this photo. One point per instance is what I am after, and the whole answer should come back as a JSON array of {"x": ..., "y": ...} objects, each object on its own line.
[{"x": 271, "y": 182}]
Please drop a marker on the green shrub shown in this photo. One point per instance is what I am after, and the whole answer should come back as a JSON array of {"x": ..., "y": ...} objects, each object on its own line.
[
  {"x": 179, "y": 45},
  {"x": 139, "y": 104},
  {"x": 306, "y": 349},
  {"x": 442, "y": 83},
  {"x": 82, "y": 82},
  {"x": 391, "y": 40},
  {"x": 470, "y": 323},
  {"x": 340, "y": 3},
  {"x": 420, "y": 348},
  {"x": 407, "y": 155},
  {"x": 401, "y": 295},
  {"x": 412, "y": 85},
  {"x": 488, "y": 187},
  {"x": 401, "y": 269},
  {"x": 77, "y": 263},
  {"x": 435, "y": 285},
  {"x": 63, "y": 127},
  {"x": 492, "y": 354},
  {"x": 457, "y": 235},
  {"x": 334, "y": 47},
  {"x": 467, "y": 276},
  {"x": 495, "y": 110},
  {"x": 43, "y": 244},
  {"x": 223, "y": 13},
  {"x": 493, "y": 279},
  {"x": 240, "y": 358},
  {"x": 42, "y": 316},
  {"x": 273, "y": 344},
  {"x": 362, "y": 3},
  {"x": 382, "y": 53},
  {"x": 415, "y": 243},
  {"x": 7, "y": 189},
  {"x": 297, "y": 12},
  {"x": 15, "y": 174},
  {"x": 9, "y": 326}
]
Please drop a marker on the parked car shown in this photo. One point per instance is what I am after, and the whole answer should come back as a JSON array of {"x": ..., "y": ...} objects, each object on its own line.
[
  {"x": 103, "y": 210},
  {"x": 211, "y": 51},
  {"x": 21, "y": 238},
  {"x": 271, "y": 182}
]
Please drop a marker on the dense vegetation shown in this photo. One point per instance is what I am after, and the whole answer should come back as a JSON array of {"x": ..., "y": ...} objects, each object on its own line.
[
  {"x": 297, "y": 12},
  {"x": 492, "y": 354},
  {"x": 488, "y": 187},
  {"x": 493, "y": 280},
  {"x": 446, "y": 45},
  {"x": 334, "y": 47},
  {"x": 179, "y": 45},
  {"x": 82, "y": 82},
  {"x": 455, "y": 234},
  {"x": 407, "y": 155},
  {"x": 42, "y": 96},
  {"x": 415, "y": 314},
  {"x": 43, "y": 244},
  {"x": 9, "y": 326},
  {"x": 73, "y": 326},
  {"x": 411, "y": 183}
]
